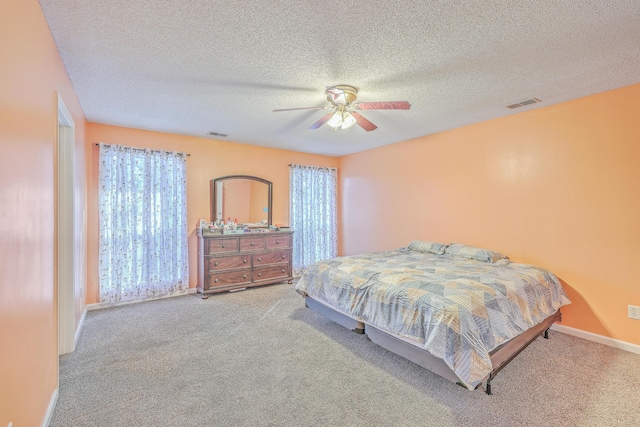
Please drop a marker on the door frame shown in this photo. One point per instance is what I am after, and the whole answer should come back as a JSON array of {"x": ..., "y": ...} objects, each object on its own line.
[{"x": 65, "y": 227}]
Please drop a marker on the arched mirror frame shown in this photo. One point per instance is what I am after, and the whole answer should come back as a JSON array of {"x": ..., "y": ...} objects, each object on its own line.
[{"x": 214, "y": 192}]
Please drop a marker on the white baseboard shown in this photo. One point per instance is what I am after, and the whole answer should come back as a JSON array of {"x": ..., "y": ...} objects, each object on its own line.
[
  {"x": 611, "y": 342},
  {"x": 50, "y": 409},
  {"x": 99, "y": 305},
  {"x": 79, "y": 328}
]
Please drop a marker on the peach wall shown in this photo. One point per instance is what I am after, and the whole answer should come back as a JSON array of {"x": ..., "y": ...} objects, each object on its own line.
[
  {"x": 31, "y": 74},
  {"x": 209, "y": 159},
  {"x": 556, "y": 186}
]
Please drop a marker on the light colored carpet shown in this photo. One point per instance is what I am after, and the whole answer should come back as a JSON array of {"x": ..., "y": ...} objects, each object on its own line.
[{"x": 260, "y": 358}]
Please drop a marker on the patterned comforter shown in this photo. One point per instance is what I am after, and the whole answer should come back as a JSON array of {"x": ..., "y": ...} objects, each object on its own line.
[{"x": 458, "y": 309}]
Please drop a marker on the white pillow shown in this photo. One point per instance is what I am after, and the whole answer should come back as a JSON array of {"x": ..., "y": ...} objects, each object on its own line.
[
  {"x": 472, "y": 252},
  {"x": 430, "y": 247}
]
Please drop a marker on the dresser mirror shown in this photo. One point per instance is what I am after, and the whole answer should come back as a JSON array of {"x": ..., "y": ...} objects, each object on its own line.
[{"x": 244, "y": 198}]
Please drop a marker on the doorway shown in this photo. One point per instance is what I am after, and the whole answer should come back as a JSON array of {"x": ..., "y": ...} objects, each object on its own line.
[{"x": 66, "y": 231}]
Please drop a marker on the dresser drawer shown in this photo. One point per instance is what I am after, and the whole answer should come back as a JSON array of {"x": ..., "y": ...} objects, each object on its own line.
[
  {"x": 272, "y": 272},
  {"x": 271, "y": 257},
  {"x": 279, "y": 241},
  {"x": 226, "y": 262},
  {"x": 238, "y": 277},
  {"x": 221, "y": 245},
  {"x": 252, "y": 243}
]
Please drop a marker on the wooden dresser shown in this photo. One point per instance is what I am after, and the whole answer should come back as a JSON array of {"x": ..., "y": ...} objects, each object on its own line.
[{"x": 235, "y": 261}]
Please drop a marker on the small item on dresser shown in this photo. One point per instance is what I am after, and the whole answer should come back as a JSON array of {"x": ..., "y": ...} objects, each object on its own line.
[{"x": 230, "y": 224}]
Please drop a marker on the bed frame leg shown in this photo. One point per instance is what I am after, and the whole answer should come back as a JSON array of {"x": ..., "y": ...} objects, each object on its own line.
[
  {"x": 488, "y": 389},
  {"x": 546, "y": 334}
]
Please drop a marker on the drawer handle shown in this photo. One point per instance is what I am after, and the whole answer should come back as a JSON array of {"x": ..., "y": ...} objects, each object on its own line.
[
  {"x": 277, "y": 242},
  {"x": 282, "y": 256},
  {"x": 244, "y": 260},
  {"x": 215, "y": 263},
  {"x": 216, "y": 281},
  {"x": 259, "y": 259},
  {"x": 259, "y": 274},
  {"x": 244, "y": 276},
  {"x": 223, "y": 245},
  {"x": 251, "y": 243},
  {"x": 282, "y": 270}
]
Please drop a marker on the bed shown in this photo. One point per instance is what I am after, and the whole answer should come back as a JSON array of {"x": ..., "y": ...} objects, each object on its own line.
[{"x": 460, "y": 311}]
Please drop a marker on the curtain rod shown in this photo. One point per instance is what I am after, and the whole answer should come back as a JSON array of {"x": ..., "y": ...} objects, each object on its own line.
[
  {"x": 140, "y": 149},
  {"x": 309, "y": 166}
]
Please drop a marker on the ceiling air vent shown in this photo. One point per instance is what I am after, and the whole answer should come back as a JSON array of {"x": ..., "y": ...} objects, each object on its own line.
[
  {"x": 523, "y": 103},
  {"x": 223, "y": 135}
]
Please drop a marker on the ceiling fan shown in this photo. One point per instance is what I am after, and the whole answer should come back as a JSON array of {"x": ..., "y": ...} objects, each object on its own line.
[{"x": 343, "y": 106}]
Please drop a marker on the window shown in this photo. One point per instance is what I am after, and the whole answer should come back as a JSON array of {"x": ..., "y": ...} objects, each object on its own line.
[
  {"x": 313, "y": 216},
  {"x": 143, "y": 223}
]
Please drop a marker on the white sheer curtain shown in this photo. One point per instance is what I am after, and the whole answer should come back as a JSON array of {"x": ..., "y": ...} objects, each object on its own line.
[
  {"x": 313, "y": 216},
  {"x": 142, "y": 197}
]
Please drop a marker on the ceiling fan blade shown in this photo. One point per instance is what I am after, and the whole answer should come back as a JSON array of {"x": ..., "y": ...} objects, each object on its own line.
[
  {"x": 321, "y": 121},
  {"x": 302, "y": 108},
  {"x": 385, "y": 105},
  {"x": 363, "y": 123}
]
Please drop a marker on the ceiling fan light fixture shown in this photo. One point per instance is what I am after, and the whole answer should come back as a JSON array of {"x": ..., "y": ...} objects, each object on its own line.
[
  {"x": 336, "y": 120},
  {"x": 341, "y": 120},
  {"x": 347, "y": 120}
]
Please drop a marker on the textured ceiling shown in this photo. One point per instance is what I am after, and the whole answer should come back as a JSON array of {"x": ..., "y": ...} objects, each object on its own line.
[{"x": 195, "y": 66}]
